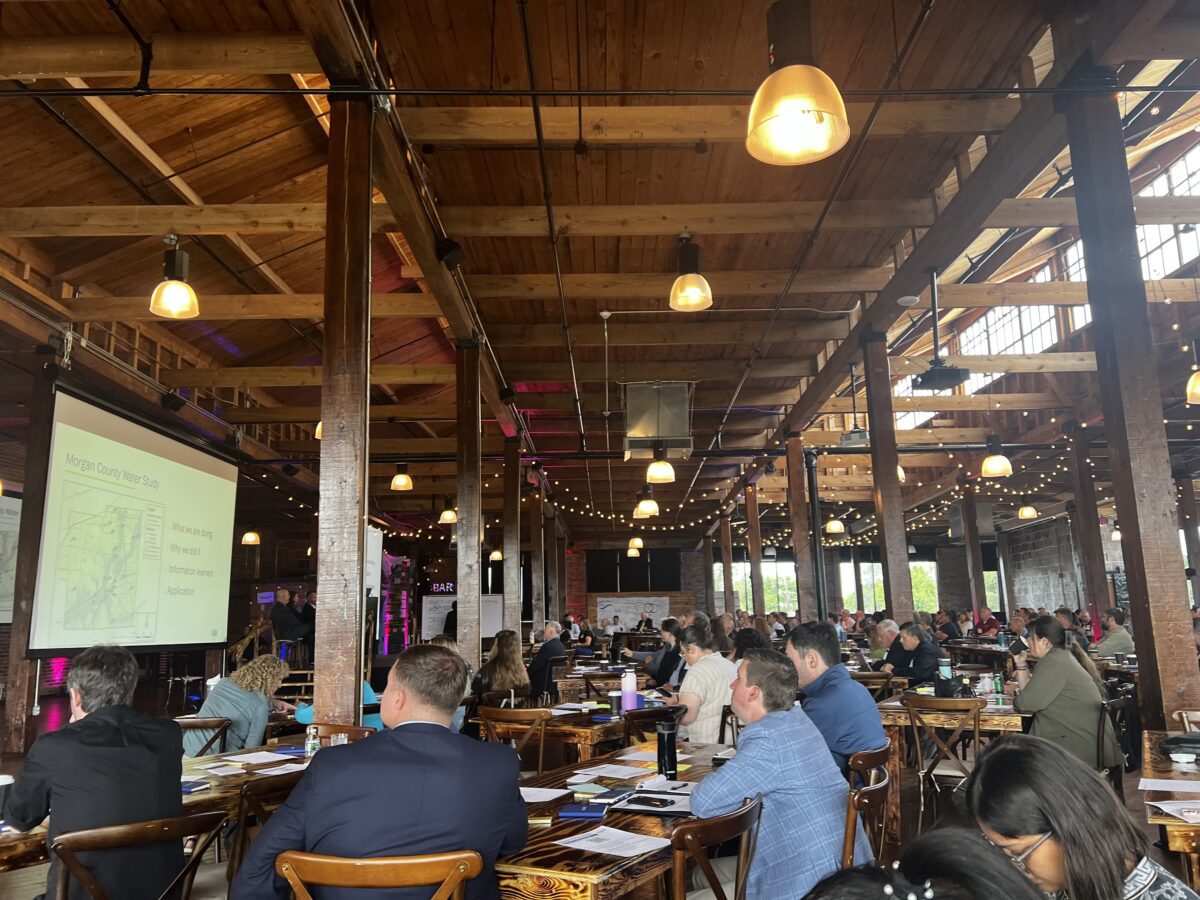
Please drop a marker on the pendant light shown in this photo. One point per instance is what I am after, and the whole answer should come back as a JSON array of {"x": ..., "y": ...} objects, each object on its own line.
[
  {"x": 647, "y": 506},
  {"x": 660, "y": 471},
  {"x": 633, "y": 552},
  {"x": 690, "y": 292},
  {"x": 1027, "y": 510},
  {"x": 251, "y": 539},
  {"x": 900, "y": 476},
  {"x": 401, "y": 481},
  {"x": 449, "y": 515},
  {"x": 835, "y": 526},
  {"x": 317, "y": 433},
  {"x": 174, "y": 298},
  {"x": 995, "y": 464},
  {"x": 1116, "y": 535},
  {"x": 496, "y": 556},
  {"x": 798, "y": 115},
  {"x": 636, "y": 543},
  {"x": 1193, "y": 382}
]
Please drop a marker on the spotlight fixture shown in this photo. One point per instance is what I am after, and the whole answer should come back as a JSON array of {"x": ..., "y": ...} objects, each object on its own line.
[
  {"x": 636, "y": 543},
  {"x": 690, "y": 292},
  {"x": 496, "y": 556},
  {"x": 633, "y": 552},
  {"x": 320, "y": 429},
  {"x": 251, "y": 539},
  {"x": 450, "y": 253},
  {"x": 401, "y": 481},
  {"x": 174, "y": 298},
  {"x": 798, "y": 115},
  {"x": 172, "y": 401},
  {"x": 835, "y": 526},
  {"x": 660, "y": 471},
  {"x": 995, "y": 464},
  {"x": 1027, "y": 510}
]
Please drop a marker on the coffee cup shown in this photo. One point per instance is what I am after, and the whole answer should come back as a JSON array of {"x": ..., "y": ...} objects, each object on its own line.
[{"x": 6, "y": 783}]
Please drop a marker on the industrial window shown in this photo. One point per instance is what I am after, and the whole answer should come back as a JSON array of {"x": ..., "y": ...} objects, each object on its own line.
[
  {"x": 612, "y": 571},
  {"x": 1167, "y": 248},
  {"x": 907, "y": 420},
  {"x": 1006, "y": 330},
  {"x": 1074, "y": 269}
]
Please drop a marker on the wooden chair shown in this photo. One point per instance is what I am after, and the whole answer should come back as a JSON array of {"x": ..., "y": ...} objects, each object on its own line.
[
  {"x": 878, "y": 683},
  {"x": 258, "y": 799},
  {"x": 868, "y": 797},
  {"x": 730, "y": 725},
  {"x": 504, "y": 699},
  {"x": 557, "y": 666},
  {"x": 1113, "y": 714},
  {"x": 1188, "y": 719},
  {"x": 326, "y": 730},
  {"x": 448, "y": 871},
  {"x": 691, "y": 839},
  {"x": 930, "y": 717},
  {"x": 67, "y": 847},
  {"x": 219, "y": 728},
  {"x": 637, "y": 720},
  {"x": 534, "y": 723}
]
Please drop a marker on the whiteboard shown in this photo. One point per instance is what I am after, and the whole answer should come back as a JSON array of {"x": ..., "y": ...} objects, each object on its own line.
[
  {"x": 435, "y": 606},
  {"x": 630, "y": 609}
]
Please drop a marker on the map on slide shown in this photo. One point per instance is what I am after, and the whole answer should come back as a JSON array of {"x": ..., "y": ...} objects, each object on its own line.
[{"x": 99, "y": 582}]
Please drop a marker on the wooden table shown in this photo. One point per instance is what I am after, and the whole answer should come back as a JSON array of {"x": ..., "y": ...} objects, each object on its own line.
[
  {"x": 544, "y": 869},
  {"x": 994, "y": 718},
  {"x": 578, "y": 730},
  {"x": 992, "y": 655},
  {"x": 570, "y": 684},
  {"x": 1181, "y": 837}
]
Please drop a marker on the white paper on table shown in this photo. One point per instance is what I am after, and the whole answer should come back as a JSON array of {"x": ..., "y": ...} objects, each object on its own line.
[
  {"x": 211, "y": 765},
  {"x": 258, "y": 756},
  {"x": 580, "y": 779},
  {"x": 651, "y": 756},
  {"x": 284, "y": 769},
  {"x": 581, "y": 707},
  {"x": 1168, "y": 784},
  {"x": 1188, "y": 810},
  {"x": 661, "y": 784},
  {"x": 559, "y": 711},
  {"x": 615, "y": 842},
  {"x": 227, "y": 770},
  {"x": 611, "y": 771},
  {"x": 542, "y": 795}
]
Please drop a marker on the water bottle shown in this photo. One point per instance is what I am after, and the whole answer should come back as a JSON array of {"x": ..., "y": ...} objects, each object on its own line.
[
  {"x": 629, "y": 689},
  {"x": 312, "y": 742},
  {"x": 1002, "y": 640},
  {"x": 668, "y": 765},
  {"x": 998, "y": 683}
]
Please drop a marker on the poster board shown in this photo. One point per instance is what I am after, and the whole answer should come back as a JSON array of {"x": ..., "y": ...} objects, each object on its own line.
[
  {"x": 630, "y": 609},
  {"x": 10, "y": 525},
  {"x": 435, "y": 606}
]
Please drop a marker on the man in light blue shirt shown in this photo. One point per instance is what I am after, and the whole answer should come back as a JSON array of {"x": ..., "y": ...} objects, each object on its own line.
[{"x": 783, "y": 757}]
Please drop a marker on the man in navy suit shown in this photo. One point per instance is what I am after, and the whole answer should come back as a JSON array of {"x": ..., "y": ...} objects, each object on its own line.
[{"x": 414, "y": 788}]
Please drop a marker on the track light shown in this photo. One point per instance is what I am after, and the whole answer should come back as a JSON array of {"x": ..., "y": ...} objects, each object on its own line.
[
  {"x": 798, "y": 115},
  {"x": 660, "y": 471},
  {"x": 636, "y": 543},
  {"x": 174, "y": 298},
  {"x": 995, "y": 464},
  {"x": 401, "y": 481},
  {"x": 690, "y": 292},
  {"x": 251, "y": 539}
]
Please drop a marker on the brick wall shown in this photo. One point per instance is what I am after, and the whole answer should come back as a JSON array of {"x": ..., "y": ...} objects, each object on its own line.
[
  {"x": 833, "y": 580},
  {"x": 1044, "y": 568},
  {"x": 576, "y": 582},
  {"x": 953, "y": 582},
  {"x": 691, "y": 576}
]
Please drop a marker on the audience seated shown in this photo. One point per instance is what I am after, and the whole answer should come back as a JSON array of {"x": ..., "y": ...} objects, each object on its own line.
[
  {"x": 706, "y": 688},
  {"x": 782, "y": 757},
  {"x": 245, "y": 699},
  {"x": 840, "y": 708},
  {"x": 946, "y": 628},
  {"x": 412, "y": 789},
  {"x": 305, "y": 715},
  {"x": 886, "y": 633},
  {"x": 919, "y": 656},
  {"x": 1070, "y": 621},
  {"x": 109, "y": 766},
  {"x": 665, "y": 664},
  {"x": 504, "y": 669},
  {"x": 1062, "y": 823},
  {"x": 1116, "y": 639},
  {"x": 747, "y": 639},
  {"x": 989, "y": 625},
  {"x": 540, "y": 680}
]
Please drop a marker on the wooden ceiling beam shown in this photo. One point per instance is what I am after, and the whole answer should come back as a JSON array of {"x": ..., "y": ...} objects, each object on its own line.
[
  {"x": 953, "y": 403},
  {"x": 1032, "y": 362},
  {"x": 663, "y": 334},
  {"x": 379, "y": 412},
  {"x": 1050, "y": 293},
  {"x": 299, "y": 376},
  {"x": 231, "y": 307},
  {"x": 657, "y": 285},
  {"x": 651, "y": 370},
  {"x": 701, "y": 399}
]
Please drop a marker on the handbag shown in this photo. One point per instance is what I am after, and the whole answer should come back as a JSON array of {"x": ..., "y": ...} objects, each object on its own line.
[{"x": 954, "y": 686}]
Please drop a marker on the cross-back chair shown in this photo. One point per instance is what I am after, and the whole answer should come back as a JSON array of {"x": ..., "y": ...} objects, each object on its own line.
[
  {"x": 218, "y": 726},
  {"x": 690, "y": 842},
  {"x": 868, "y": 798},
  {"x": 449, "y": 872},
  {"x": 532, "y": 725}
]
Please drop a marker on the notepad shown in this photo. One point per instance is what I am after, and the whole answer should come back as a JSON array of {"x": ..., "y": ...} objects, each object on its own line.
[
  {"x": 650, "y": 756},
  {"x": 1169, "y": 784},
  {"x": 612, "y": 771},
  {"x": 258, "y": 756},
  {"x": 226, "y": 770},
  {"x": 542, "y": 795},
  {"x": 614, "y": 842},
  {"x": 1187, "y": 810},
  {"x": 284, "y": 769}
]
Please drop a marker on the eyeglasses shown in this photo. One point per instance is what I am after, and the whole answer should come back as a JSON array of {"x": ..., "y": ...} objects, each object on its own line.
[{"x": 1019, "y": 859}]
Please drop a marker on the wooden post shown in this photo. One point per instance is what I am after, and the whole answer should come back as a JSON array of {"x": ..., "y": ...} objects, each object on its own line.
[
  {"x": 554, "y": 606},
  {"x": 727, "y": 563},
  {"x": 797, "y": 495},
  {"x": 710, "y": 592},
  {"x": 1004, "y": 557},
  {"x": 1190, "y": 524},
  {"x": 885, "y": 462},
  {"x": 470, "y": 504},
  {"x": 345, "y": 387},
  {"x": 1126, "y": 362},
  {"x": 1085, "y": 520},
  {"x": 973, "y": 547},
  {"x": 561, "y": 547},
  {"x": 754, "y": 542},
  {"x": 856, "y": 561},
  {"x": 537, "y": 561},
  {"x": 512, "y": 535},
  {"x": 19, "y": 698}
]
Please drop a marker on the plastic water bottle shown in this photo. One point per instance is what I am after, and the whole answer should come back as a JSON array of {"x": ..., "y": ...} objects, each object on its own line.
[
  {"x": 1002, "y": 639},
  {"x": 312, "y": 742},
  {"x": 629, "y": 689},
  {"x": 998, "y": 683}
]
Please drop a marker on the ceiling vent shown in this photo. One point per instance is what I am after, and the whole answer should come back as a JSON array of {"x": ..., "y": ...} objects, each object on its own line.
[{"x": 658, "y": 416}]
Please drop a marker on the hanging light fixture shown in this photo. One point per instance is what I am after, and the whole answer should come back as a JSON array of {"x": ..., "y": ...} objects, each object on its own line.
[
  {"x": 1027, "y": 510},
  {"x": 636, "y": 543},
  {"x": 317, "y": 433},
  {"x": 835, "y": 526},
  {"x": 1116, "y": 535},
  {"x": 900, "y": 476},
  {"x": 173, "y": 297},
  {"x": 647, "y": 505},
  {"x": 660, "y": 471},
  {"x": 798, "y": 115},
  {"x": 449, "y": 515},
  {"x": 690, "y": 292},
  {"x": 995, "y": 464},
  {"x": 496, "y": 556},
  {"x": 633, "y": 552},
  {"x": 1193, "y": 382},
  {"x": 401, "y": 481},
  {"x": 251, "y": 539}
]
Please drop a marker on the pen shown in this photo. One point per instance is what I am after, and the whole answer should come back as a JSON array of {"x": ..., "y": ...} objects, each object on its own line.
[{"x": 679, "y": 787}]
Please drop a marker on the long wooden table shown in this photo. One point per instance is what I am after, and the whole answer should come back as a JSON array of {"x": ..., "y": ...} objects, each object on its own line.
[
  {"x": 544, "y": 869},
  {"x": 996, "y": 717},
  {"x": 571, "y": 684},
  {"x": 1181, "y": 837},
  {"x": 578, "y": 730}
]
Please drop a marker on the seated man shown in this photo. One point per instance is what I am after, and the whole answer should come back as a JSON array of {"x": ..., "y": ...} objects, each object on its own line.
[
  {"x": 411, "y": 789},
  {"x": 109, "y": 766},
  {"x": 887, "y": 631},
  {"x": 286, "y": 621},
  {"x": 1116, "y": 639},
  {"x": 781, "y": 756},
  {"x": 841, "y": 708},
  {"x": 921, "y": 656},
  {"x": 946, "y": 628},
  {"x": 1016, "y": 627},
  {"x": 540, "y": 676},
  {"x": 989, "y": 625}
]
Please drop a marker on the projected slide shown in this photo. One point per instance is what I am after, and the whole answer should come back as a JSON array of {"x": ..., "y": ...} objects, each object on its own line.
[
  {"x": 136, "y": 540},
  {"x": 10, "y": 527}
]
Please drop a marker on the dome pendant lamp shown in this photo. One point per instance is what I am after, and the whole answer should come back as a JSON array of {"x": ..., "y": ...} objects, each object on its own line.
[
  {"x": 1193, "y": 382},
  {"x": 798, "y": 115},
  {"x": 690, "y": 292},
  {"x": 995, "y": 464},
  {"x": 1028, "y": 510},
  {"x": 660, "y": 471},
  {"x": 174, "y": 298},
  {"x": 636, "y": 543},
  {"x": 401, "y": 481}
]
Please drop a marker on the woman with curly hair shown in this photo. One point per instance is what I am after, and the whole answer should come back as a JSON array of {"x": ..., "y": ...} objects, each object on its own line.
[{"x": 245, "y": 698}]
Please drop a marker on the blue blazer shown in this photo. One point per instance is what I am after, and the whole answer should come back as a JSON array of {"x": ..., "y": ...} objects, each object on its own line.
[{"x": 418, "y": 788}]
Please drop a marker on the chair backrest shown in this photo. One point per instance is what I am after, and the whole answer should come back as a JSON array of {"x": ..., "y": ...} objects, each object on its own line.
[
  {"x": 504, "y": 699},
  {"x": 730, "y": 725},
  {"x": 1112, "y": 715},
  {"x": 533, "y": 722},
  {"x": 692, "y": 838},
  {"x": 258, "y": 799},
  {"x": 878, "y": 683},
  {"x": 638, "y": 720},
  {"x": 449, "y": 871},
  {"x": 558, "y": 665},
  {"x": 219, "y": 728},
  {"x": 594, "y": 684},
  {"x": 868, "y": 797},
  {"x": 204, "y": 826},
  {"x": 326, "y": 730},
  {"x": 1188, "y": 719},
  {"x": 933, "y": 717}
]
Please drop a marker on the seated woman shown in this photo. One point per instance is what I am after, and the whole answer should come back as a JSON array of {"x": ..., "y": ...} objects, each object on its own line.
[
  {"x": 585, "y": 644},
  {"x": 665, "y": 664},
  {"x": 245, "y": 698},
  {"x": 1063, "y": 825},
  {"x": 504, "y": 669},
  {"x": 1064, "y": 692},
  {"x": 706, "y": 691},
  {"x": 749, "y": 639},
  {"x": 304, "y": 711}
]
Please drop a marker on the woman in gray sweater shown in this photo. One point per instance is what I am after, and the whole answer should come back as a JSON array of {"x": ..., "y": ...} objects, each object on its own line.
[{"x": 245, "y": 698}]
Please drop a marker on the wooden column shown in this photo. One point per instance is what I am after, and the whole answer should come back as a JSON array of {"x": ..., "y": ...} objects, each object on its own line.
[
  {"x": 512, "y": 534},
  {"x": 727, "y": 563},
  {"x": 1190, "y": 524},
  {"x": 710, "y": 592},
  {"x": 470, "y": 503},
  {"x": 754, "y": 543},
  {"x": 797, "y": 495},
  {"x": 1085, "y": 521},
  {"x": 19, "y": 692},
  {"x": 856, "y": 561},
  {"x": 554, "y": 605},
  {"x": 562, "y": 571},
  {"x": 1004, "y": 558},
  {"x": 1126, "y": 362},
  {"x": 345, "y": 390},
  {"x": 973, "y": 547},
  {"x": 885, "y": 461}
]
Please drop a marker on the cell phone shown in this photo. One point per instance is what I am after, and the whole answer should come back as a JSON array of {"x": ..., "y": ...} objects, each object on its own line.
[
  {"x": 666, "y": 692},
  {"x": 1017, "y": 646},
  {"x": 656, "y": 802}
]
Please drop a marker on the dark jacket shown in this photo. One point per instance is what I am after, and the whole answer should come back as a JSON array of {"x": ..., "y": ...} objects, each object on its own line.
[
  {"x": 667, "y": 665},
  {"x": 113, "y": 767},
  {"x": 287, "y": 624},
  {"x": 844, "y": 713},
  {"x": 539, "y": 667},
  {"x": 414, "y": 789},
  {"x": 920, "y": 664},
  {"x": 950, "y": 629}
]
